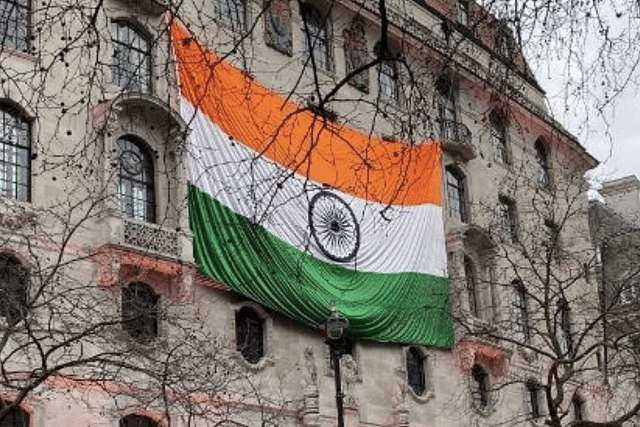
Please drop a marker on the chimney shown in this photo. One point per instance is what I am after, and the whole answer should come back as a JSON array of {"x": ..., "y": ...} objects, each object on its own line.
[{"x": 622, "y": 195}]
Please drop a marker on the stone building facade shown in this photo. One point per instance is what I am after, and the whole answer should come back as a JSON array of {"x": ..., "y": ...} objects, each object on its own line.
[{"x": 96, "y": 230}]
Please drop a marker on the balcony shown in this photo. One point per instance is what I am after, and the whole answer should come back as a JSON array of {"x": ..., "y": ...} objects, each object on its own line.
[{"x": 456, "y": 138}]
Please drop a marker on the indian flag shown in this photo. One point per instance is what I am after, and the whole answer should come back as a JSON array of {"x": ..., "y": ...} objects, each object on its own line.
[{"x": 297, "y": 212}]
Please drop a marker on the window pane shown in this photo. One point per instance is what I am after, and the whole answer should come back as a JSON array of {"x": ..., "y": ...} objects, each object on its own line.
[
  {"x": 136, "y": 184},
  {"x": 316, "y": 38},
  {"x": 131, "y": 63},
  {"x": 15, "y": 163},
  {"x": 14, "y": 24}
]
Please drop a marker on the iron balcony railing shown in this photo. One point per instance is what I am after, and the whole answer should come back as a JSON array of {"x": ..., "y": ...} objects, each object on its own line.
[{"x": 452, "y": 131}]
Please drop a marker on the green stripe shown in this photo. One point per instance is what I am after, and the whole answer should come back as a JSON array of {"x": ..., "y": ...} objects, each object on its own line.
[{"x": 389, "y": 307}]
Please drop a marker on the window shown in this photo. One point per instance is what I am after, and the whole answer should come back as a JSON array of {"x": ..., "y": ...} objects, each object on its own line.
[
  {"x": 550, "y": 237},
  {"x": 416, "y": 375},
  {"x": 388, "y": 88},
  {"x": 463, "y": 13},
  {"x": 17, "y": 417},
  {"x": 249, "y": 335},
  {"x": 542, "y": 159},
  {"x": 472, "y": 287},
  {"x": 506, "y": 218},
  {"x": 578, "y": 408},
  {"x": 13, "y": 289},
  {"x": 15, "y": 162},
  {"x": 447, "y": 109},
  {"x": 137, "y": 421},
  {"x": 504, "y": 41},
  {"x": 456, "y": 194},
  {"x": 231, "y": 13},
  {"x": 533, "y": 399},
  {"x": 316, "y": 37},
  {"x": 499, "y": 138},
  {"x": 563, "y": 328},
  {"x": 480, "y": 387},
  {"x": 140, "y": 311},
  {"x": 136, "y": 193},
  {"x": 521, "y": 313},
  {"x": 131, "y": 65},
  {"x": 15, "y": 24}
]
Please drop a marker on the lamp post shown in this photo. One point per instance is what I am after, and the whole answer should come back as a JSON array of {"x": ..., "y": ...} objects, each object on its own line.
[{"x": 334, "y": 337}]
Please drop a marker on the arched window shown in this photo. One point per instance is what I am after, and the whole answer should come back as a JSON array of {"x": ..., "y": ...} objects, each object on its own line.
[
  {"x": 316, "y": 36},
  {"x": 456, "y": 196},
  {"x": 17, "y": 417},
  {"x": 231, "y": 13},
  {"x": 521, "y": 312},
  {"x": 131, "y": 64},
  {"x": 136, "y": 193},
  {"x": 480, "y": 389},
  {"x": 472, "y": 286},
  {"x": 416, "y": 372},
  {"x": 249, "y": 335},
  {"x": 140, "y": 311},
  {"x": 13, "y": 289},
  {"x": 137, "y": 421},
  {"x": 542, "y": 158},
  {"x": 388, "y": 81},
  {"x": 15, "y": 23},
  {"x": 499, "y": 138},
  {"x": 15, "y": 155}
]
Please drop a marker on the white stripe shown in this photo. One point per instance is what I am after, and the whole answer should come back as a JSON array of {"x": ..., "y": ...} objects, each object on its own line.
[{"x": 392, "y": 239}]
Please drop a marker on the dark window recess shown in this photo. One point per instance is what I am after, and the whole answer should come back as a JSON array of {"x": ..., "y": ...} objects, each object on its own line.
[
  {"x": 542, "y": 158},
  {"x": 521, "y": 312},
  {"x": 137, "y": 421},
  {"x": 416, "y": 375},
  {"x": 17, "y": 417},
  {"x": 578, "y": 409},
  {"x": 456, "y": 194},
  {"x": 131, "y": 63},
  {"x": 13, "y": 289},
  {"x": 480, "y": 387},
  {"x": 15, "y": 155},
  {"x": 15, "y": 24},
  {"x": 472, "y": 288},
  {"x": 140, "y": 311},
  {"x": 533, "y": 399},
  {"x": 136, "y": 192},
  {"x": 249, "y": 335},
  {"x": 316, "y": 37}
]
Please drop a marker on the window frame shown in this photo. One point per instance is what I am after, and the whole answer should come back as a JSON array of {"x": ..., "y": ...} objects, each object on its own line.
[
  {"x": 140, "y": 78},
  {"x": 499, "y": 138},
  {"x": 17, "y": 292},
  {"x": 416, "y": 370},
  {"x": 542, "y": 161},
  {"x": 317, "y": 37},
  {"x": 522, "y": 331},
  {"x": 480, "y": 387},
  {"x": 140, "y": 311},
  {"x": 138, "y": 208},
  {"x": 232, "y": 15},
  {"x": 20, "y": 12},
  {"x": 456, "y": 194},
  {"x": 388, "y": 75},
  {"x": 508, "y": 219},
  {"x": 253, "y": 321},
  {"x": 16, "y": 174}
]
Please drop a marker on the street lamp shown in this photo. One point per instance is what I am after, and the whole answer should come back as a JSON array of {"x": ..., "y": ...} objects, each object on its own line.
[{"x": 334, "y": 328}]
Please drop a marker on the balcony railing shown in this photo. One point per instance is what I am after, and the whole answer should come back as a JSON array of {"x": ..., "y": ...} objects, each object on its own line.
[{"x": 456, "y": 137}]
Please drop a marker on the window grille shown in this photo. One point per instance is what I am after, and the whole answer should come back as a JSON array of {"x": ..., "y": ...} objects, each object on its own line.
[
  {"x": 15, "y": 160},
  {"x": 416, "y": 375},
  {"x": 456, "y": 194},
  {"x": 131, "y": 65},
  {"x": 136, "y": 184},
  {"x": 140, "y": 311},
  {"x": 15, "y": 20},
  {"x": 13, "y": 289},
  {"x": 249, "y": 335},
  {"x": 316, "y": 37}
]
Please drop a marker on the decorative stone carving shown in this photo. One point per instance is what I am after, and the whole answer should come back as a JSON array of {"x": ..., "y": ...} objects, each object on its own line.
[
  {"x": 356, "y": 54},
  {"x": 277, "y": 26},
  {"x": 312, "y": 368},
  {"x": 151, "y": 238},
  {"x": 350, "y": 377},
  {"x": 311, "y": 407}
]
